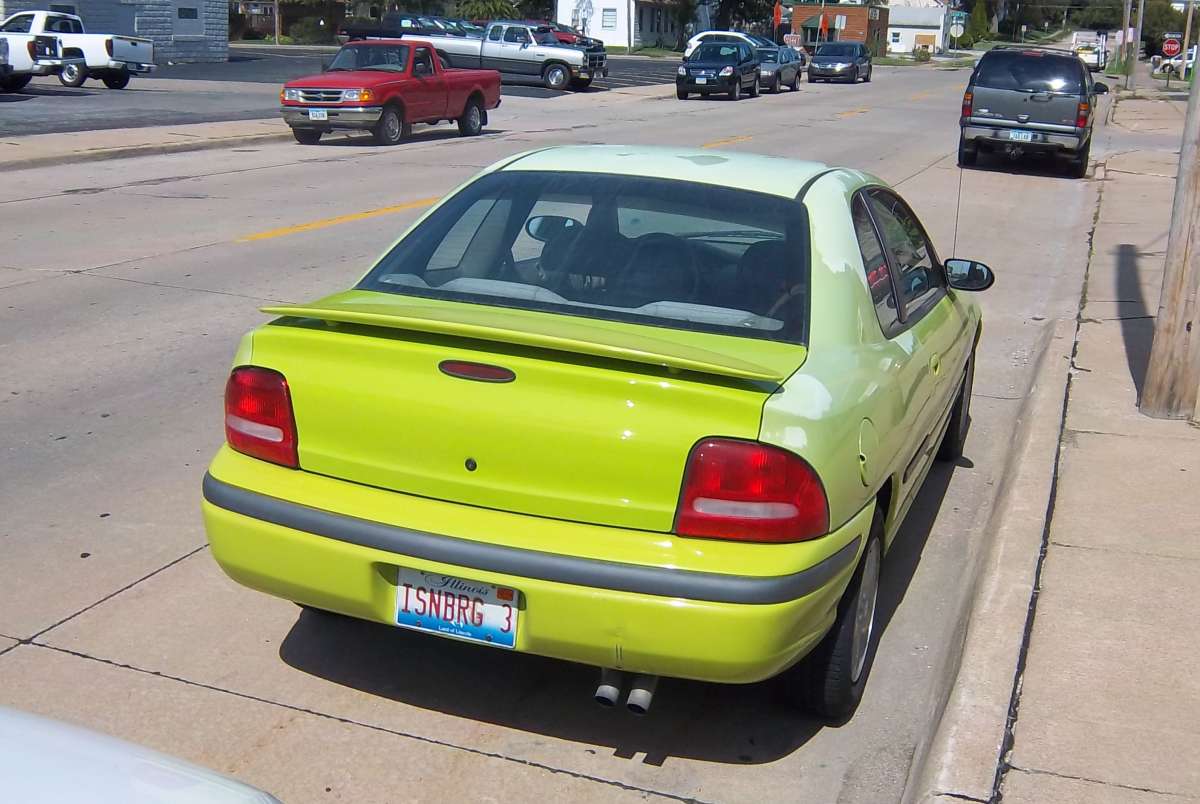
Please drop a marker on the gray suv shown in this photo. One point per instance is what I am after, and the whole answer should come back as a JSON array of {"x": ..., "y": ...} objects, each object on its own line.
[{"x": 1030, "y": 100}]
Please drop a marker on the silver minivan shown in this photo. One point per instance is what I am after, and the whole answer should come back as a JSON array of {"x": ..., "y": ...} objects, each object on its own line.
[{"x": 1030, "y": 100}]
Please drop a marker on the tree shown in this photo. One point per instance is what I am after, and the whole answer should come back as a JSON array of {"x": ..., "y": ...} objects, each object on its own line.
[
  {"x": 487, "y": 9},
  {"x": 731, "y": 11},
  {"x": 684, "y": 12},
  {"x": 1160, "y": 18},
  {"x": 980, "y": 25}
]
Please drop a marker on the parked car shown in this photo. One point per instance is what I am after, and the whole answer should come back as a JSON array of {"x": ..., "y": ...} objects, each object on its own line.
[
  {"x": 1029, "y": 100},
  {"x": 566, "y": 34},
  {"x": 1092, "y": 54},
  {"x": 29, "y": 55},
  {"x": 1178, "y": 66},
  {"x": 779, "y": 67},
  {"x": 840, "y": 61},
  {"x": 519, "y": 49},
  {"x": 725, "y": 37},
  {"x": 107, "y": 57},
  {"x": 385, "y": 86},
  {"x": 672, "y": 436},
  {"x": 44, "y": 761},
  {"x": 719, "y": 69}
]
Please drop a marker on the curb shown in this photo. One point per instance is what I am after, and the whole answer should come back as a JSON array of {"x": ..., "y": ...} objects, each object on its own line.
[
  {"x": 964, "y": 755},
  {"x": 147, "y": 149}
]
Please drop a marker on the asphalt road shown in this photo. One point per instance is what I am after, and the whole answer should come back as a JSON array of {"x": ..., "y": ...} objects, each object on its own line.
[
  {"x": 125, "y": 286},
  {"x": 244, "y": 88}
]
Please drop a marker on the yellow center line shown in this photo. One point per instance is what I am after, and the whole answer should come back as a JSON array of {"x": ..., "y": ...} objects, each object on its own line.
[
  {"x": 726, "y": 141},
  {"x": 325, "y": 222},
  {"x": 852, "y": 112},
  {"x": 919, "y": 96}
]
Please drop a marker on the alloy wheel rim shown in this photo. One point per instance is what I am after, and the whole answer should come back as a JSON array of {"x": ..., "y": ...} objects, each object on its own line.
[
  {"x": 393, "y": 126},
  {"x": 557, "y": 77},
  {"x": 70, "y": 72},
  {"x": 474, "y": 118},
  {"x": 864, "y": 610}
]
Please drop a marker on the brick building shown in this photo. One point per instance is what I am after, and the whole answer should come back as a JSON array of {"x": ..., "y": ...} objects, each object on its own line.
[
  {"x": 182, "y": 30},
  {"x": 862, "y": 22}
]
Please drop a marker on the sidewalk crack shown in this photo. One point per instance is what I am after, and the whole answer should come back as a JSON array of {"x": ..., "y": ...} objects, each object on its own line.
[
  {"x": 1118, "y": 785},
  {"x": 351, "y": 722},
  {"x": 1123, "y": 551}
]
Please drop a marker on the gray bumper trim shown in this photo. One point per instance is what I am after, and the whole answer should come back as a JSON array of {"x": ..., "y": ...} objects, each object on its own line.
[
  {"x": 339, "y": 116},
  {"x": 705, "y": 586},
  {"x": 999, "y": 136}
]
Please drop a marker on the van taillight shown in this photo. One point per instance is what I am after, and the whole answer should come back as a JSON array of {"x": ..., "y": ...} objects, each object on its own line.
[
  {"x": 108, "y": 47},
  {"x": 968, "y": 100},
  {"x": 1081, "y": 119},
  {"x": 258, "y": 416},
  {"x": 747, "y": 491}
]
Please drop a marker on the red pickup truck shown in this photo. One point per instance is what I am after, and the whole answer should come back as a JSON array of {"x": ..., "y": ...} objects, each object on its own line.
[{"x": 385, "y": 86}]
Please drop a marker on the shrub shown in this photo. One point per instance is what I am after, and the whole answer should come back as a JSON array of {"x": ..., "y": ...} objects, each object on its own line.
[
  {"x": 253, "y": 35},
  {"x": 310, "y": 31},
  {"x": 921, "y": 55}
]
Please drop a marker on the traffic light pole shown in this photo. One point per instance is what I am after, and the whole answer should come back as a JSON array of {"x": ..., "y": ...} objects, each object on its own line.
[{"x": 1173, "y": 374}]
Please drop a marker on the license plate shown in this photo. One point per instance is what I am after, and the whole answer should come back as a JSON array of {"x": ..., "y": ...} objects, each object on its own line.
[
  {"x": 1021, "y": 136},
  {"x": 318, "y": 114},
  {"x": 442, "y": 604},
  {"x": 701, "y": 80}
]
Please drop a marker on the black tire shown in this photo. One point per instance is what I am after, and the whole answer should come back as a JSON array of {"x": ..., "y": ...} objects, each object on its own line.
[
  {"x": 853, "y": 79},
  {"x": 795, "y": 85},
  {"x": 391, "y": 128},
  {"x": 556, "y": 77},
  {"x": 307, "y": 136},
  {"x": 867, "y": 77},
  {"x": 951, "y": 448},
  {"x": 968, "y": 155},
  {"x": 580, "y": 84},
  {"x": 776, "y": 85},
  {"x": 116, "y": 79},
  {"x": 829, "y": 682},
  {"x": 679, "y": 93},
  {"x": 73, "y": 75},
  {"x": 15, "y": 83},
  {"x": 736, "y": 92},
  {"x": 1077, "y": 168},
  {"x": 754, "y": 86},
  {"x": 811, "y": 79},
  {"x": 471, "y": 122}
]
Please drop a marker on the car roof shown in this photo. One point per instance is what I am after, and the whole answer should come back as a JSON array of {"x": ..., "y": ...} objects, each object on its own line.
[
  {"x": 392, "y": 41},
  {"x": 763, "y": 174}
]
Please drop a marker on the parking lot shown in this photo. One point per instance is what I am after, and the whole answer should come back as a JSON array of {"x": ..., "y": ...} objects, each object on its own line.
[{"x": 245, "y": 88}]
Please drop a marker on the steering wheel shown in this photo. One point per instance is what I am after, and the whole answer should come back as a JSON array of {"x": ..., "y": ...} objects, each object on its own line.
[{"x": 656, "y": 240}]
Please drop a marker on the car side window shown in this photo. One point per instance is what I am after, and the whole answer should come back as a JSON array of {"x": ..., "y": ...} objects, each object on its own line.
[
  {"x": 20, "y": 24},
  {"x": 422, "y": 62},
  {"x": 517, "y": 35},
  {"x": 918, "y": 275},
  {"x": 879, "y": 278},
  {"x": 496, "y": 33}
]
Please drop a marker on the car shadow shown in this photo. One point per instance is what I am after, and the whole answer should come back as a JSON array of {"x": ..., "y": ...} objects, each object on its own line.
[
  {"x": 427, "y": 135},
  {"x": 12, "y": 97},
  {"x": 1137, "y": 325},
  {"x": 1039, "y": 165},
  {"x": 44, "y": 91},
  {"x": 735, "y": 724}
]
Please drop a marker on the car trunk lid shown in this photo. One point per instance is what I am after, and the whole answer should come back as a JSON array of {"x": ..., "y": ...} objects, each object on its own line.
[{"x": 595, "y": 427}]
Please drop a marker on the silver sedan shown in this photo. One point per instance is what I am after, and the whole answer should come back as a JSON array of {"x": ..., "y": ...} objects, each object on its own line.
[{"x": 780, "y": 67}]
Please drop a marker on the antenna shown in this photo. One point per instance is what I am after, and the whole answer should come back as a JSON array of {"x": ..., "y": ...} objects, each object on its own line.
[{"x": 957, "y": 210}]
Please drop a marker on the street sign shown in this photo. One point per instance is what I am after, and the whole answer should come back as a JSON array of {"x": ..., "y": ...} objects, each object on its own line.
[
  {"x": 958, "y": 17},
  {"x": 956, "y": 30},
  {"x": 839, "y": 22},
  {"x": 1171, "y": 47}
]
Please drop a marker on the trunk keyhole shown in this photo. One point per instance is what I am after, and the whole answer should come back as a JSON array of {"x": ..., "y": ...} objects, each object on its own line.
[{"x": 471, "y": 465}]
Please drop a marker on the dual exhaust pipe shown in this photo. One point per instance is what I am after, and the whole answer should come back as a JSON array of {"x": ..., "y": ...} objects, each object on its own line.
[{"x": 641, "y": 690}]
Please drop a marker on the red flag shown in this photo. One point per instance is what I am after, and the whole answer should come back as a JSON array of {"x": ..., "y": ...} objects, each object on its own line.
[
  {"x": 824, "y": 27},
  {"x": 778, "y": 16}
]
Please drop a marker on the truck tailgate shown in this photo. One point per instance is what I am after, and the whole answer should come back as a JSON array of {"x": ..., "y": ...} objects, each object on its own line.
[{"x": 126, "y": 48}]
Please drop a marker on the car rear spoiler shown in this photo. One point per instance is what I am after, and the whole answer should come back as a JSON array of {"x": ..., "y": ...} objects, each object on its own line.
[{"x": 576, "y": 338}]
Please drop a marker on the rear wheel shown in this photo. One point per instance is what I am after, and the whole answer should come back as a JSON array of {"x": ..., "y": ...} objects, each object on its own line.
[
  {"x": 73, "y": 75},
  {"x": 795, "y": 85},
  {"x": 307, "y": 136},
  {"x": 555, "y": 76},
  {"x": 14, "y": 83},
  {"x": 471, "y": 122},
  {"x": 391, "y": 128},
  {"x": 1078, "y": 166},
  {"x": 951, "y": 448},
  {"x": 967, "y": 154},
  {"x": 116, "y": 79},
  {"x": 829, "y": 681},
  {"x": 776, "y": 85}
]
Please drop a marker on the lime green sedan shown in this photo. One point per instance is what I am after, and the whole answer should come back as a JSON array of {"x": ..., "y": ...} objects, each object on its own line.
[{"x": 658, "y": 411}]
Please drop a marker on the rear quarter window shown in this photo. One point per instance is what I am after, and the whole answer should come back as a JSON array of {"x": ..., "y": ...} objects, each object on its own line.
[{"x": 1029, "y": 72}]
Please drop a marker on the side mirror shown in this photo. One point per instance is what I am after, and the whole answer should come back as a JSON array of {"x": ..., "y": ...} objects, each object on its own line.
[
  {"x": 969, "y": 275},
  {"x": 545, "y": 228},
  {"x": 421, "y": 69},
  {"x": 1100, "y": 88},
  {"x": 325, "y": 64}
]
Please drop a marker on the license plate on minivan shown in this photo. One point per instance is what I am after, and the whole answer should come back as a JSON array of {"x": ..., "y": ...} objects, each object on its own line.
[
  {"x": 1021, "y": 136},
  {"x": 443, "y": 604}
]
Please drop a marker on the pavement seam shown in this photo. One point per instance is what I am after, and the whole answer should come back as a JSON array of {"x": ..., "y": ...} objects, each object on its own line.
[
  {"x": 111, "y": 595},
  {"x": 371, "y": 726},
  {"x": 1135, "y": 788},
  {"x": 180, "y": 287},
  {"x": 1122, "y": 551},
  {"x": 1009, "y": 740}
]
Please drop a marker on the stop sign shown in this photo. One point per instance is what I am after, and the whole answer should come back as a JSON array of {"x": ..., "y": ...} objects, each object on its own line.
[{"x": 1171, "y": 48}]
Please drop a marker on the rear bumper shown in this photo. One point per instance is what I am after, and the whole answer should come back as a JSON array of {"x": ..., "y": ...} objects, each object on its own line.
[
  {"x": 661, "y": 620},
  {"x": 361, "y": 117},
  {"x": 129, "y": 66},
  {"x": 997, "y": 137}
]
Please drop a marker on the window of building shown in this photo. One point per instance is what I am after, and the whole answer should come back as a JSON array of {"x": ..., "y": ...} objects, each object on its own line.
[
  {"x": 895, "y": 37},
  {"x": 187, "y": 21},
  {"x": 63, "y": 9},
  {"x": 608, "y": 19}
]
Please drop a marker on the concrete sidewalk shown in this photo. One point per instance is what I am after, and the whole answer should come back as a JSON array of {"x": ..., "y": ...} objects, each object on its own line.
[{"x": 1108, "y": 708}]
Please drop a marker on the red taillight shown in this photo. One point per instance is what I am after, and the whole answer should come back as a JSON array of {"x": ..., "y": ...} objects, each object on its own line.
[
  {"x": 258, "y": 416},
  {"x": 108, "y": 47},
  {"x": 1081, "y": 119},
  {"x": 968, "y": 100},
  {"x": 32, "y": 50},
  {"x": 752, "y": 492}
]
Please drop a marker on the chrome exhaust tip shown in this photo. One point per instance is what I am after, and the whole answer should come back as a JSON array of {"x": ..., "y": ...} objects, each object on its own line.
[
  {"x": 641, "y": 694},
  {"x": 609, "y": 690}
]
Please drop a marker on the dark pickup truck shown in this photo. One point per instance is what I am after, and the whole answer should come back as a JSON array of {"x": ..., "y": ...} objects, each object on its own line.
[{"x": 385, "y": 86}]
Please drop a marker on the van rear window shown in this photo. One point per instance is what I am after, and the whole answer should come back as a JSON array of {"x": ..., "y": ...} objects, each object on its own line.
[{"x": 1030, "y": 72}]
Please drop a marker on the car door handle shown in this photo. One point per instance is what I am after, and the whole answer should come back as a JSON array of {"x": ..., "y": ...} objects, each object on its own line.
[{"x": 935, "y": 364}]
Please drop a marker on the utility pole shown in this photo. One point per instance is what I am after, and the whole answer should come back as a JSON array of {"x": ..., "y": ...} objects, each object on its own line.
[
  {"x": 1187, "y": 35},
  {"x": 1173, "y": 374},
  {"x": 1137, "y": 45},
  {"x": 277, "y": 22},
  {"x": 1125, "y": 42}
]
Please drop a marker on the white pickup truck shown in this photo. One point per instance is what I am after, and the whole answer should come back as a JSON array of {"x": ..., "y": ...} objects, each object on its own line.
[
  {"x": 109, "y": 57},
  {"x": 24, "y": 55}
]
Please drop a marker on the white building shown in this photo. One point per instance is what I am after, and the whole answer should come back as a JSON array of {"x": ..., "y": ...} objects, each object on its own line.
[
  {"x": 910, "y": 27},
  {"x": 626, "y": 23}
]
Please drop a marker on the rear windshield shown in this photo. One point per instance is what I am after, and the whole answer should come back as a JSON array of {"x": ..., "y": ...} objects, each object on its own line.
[
  {"x": 650, "y": 251},
  {"x": 725, "y": 53},
  {"x": 768, "y": 55},
  {"x": 836, "y": 50},
  {"x": 371, "y": 57},
  {"x": 1030, "y": 72}
]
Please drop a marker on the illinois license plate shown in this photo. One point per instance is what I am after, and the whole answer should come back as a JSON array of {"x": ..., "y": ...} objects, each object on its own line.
[
  {"x": 442, "y": 604},
  {"x": 1021, "y": 136},
  {"x": 318, "y": 114},
  {"x": 701, "y": 80}
]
